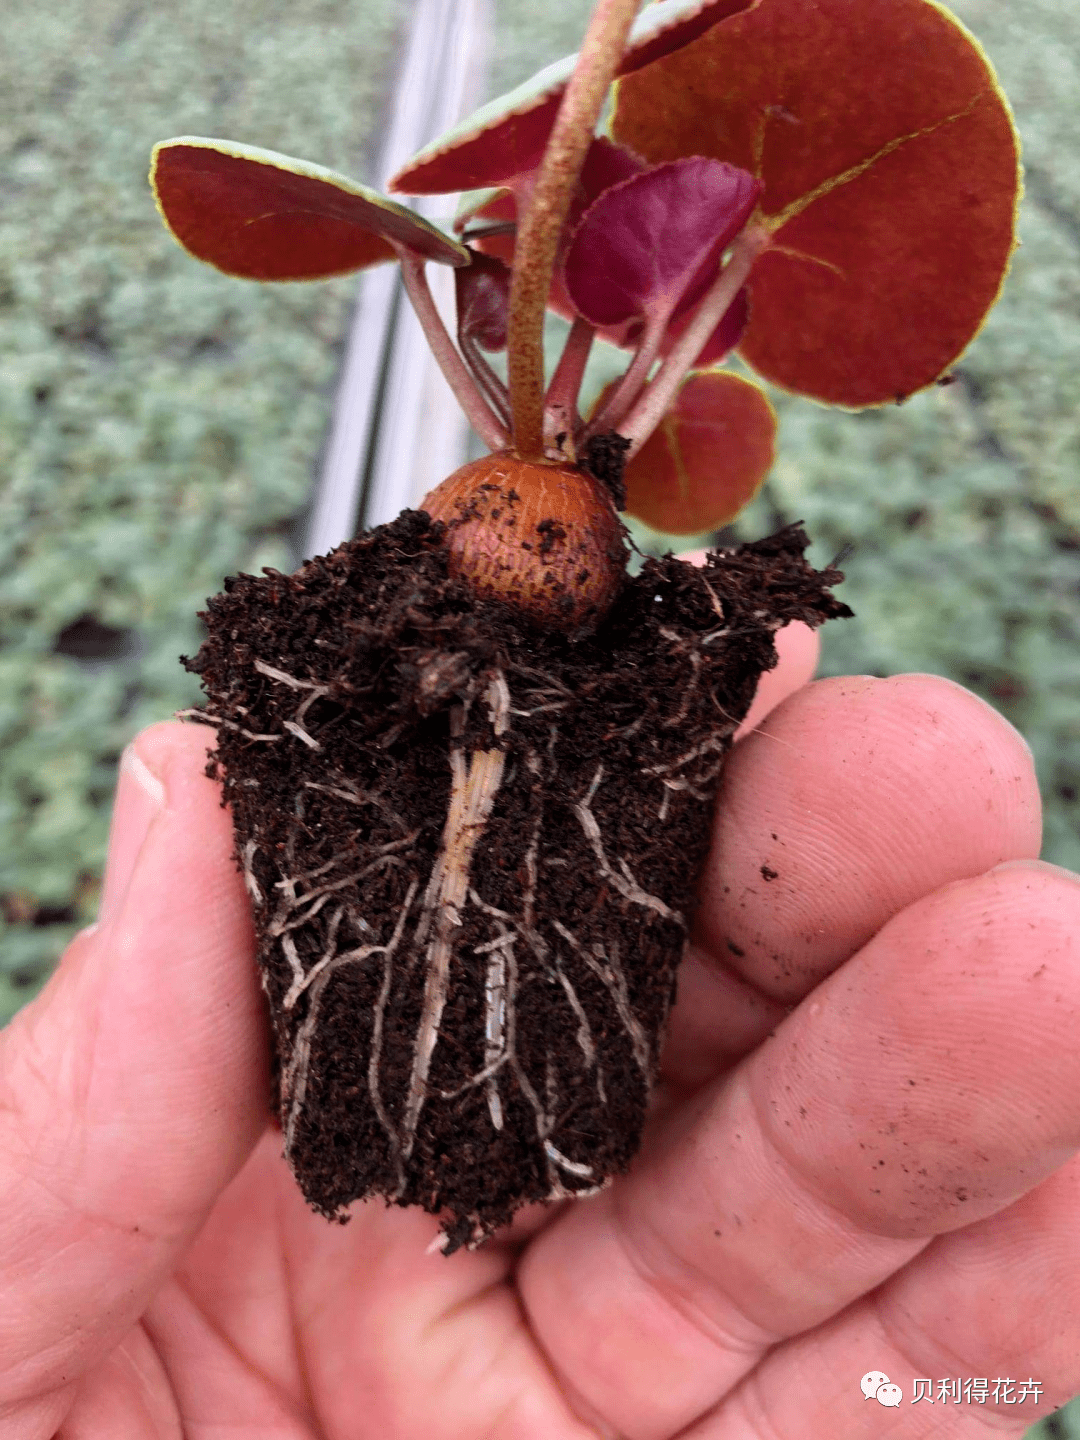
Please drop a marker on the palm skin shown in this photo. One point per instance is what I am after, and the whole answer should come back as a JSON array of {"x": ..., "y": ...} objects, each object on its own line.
[{"x": 862, "y": 1155}]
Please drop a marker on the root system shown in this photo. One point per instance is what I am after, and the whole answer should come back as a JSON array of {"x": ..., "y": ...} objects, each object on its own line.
[{"x": 472, "y": 850}]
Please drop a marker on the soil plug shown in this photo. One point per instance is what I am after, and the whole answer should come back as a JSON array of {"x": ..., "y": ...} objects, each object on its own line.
[{"x": 471, "y": 761}]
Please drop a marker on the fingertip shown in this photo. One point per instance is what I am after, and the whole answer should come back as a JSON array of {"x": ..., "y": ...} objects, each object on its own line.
[
  {"x": 798, "y": 647},
  {"x": 855, "y": 799},
  {"x": 180, "y": 745}
]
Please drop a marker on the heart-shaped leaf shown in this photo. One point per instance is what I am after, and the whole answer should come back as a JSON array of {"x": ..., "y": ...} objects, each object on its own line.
[
  {"x": 707, "y": 457},
  {"x": 890, "y": 168},
  {"x": 266, "y": 216},
  {"x": 488, "y": 218},
  {"x": 656, "y": 238},
  {"x": 506, "y": 137}
]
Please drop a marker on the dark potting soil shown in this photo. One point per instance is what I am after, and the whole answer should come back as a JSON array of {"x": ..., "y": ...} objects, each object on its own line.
[{"x": 472, "y": 850}]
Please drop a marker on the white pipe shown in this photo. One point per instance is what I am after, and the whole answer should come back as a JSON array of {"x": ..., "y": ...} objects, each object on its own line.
[{"x": 418, "y": 434}]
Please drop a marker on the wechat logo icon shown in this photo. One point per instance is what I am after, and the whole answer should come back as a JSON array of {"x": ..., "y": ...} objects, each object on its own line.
[{"x": 877, "y": 1386}]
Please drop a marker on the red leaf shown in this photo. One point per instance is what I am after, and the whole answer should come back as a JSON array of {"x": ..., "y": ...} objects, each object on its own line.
[
  {"x": 506, "y": 137},
  {"x": 891, "y": 181},
  {"x": 706, "y": 459},
  {"x": 483, "y": 298},
  {"x": 656, "y": 238},
  {"x": 606, "y": 164},
  {"x": 266, "y": 216}
]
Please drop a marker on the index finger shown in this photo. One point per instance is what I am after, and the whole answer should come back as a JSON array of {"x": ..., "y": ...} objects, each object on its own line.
[{"x": 856, "y": 797}]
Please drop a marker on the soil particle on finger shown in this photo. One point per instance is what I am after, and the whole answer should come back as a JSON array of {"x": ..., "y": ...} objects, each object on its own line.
[{"x": 472, "y": 849}]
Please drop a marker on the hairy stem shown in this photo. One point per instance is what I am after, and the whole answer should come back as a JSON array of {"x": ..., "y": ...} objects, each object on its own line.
[
  {"x": 653, "y": 404},
  {"x": 560, "y": 402},
  {"x": 541, "y": 224},
  {"x": 479, "y": 413}
]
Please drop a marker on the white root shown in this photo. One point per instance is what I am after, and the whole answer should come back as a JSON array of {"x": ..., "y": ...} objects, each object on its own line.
[
  {"x": 495, "y": 998},
  {"x": 283, "y": 679},
  {"x": 572, "y": 1167},
  {"x": 251, "y": 884},
  {"x": 301, "y": 981},
  {"x": 624, "y": 882},
  {"x": 472, "y": 798},
  {"x": 295, "y": 726},
  {"x": 433, "y": 912},
  {"x": 584, "y": 1031},
  {"x": 301, "y": 734},
  {"x": 295, "y": 1077},
  {"x": 610, "y": 972},
  {"x": 710, "y": 745},
  {"x": 375, "y": 1051}
]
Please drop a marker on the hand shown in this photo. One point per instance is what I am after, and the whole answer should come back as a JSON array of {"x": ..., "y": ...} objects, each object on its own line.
[{"x": 862, "y": 1157}]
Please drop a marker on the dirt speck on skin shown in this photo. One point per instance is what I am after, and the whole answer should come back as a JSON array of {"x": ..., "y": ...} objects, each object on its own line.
[
  {"x": 768, "y": 874},
  {"x": 472, "y": 849}
]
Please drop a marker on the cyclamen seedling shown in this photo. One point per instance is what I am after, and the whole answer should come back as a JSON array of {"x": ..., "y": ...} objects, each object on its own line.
[{"x": 471, "y": 764}]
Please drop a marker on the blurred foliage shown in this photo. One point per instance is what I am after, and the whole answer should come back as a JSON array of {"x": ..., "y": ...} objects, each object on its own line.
[{"x": 159, "y": 422}]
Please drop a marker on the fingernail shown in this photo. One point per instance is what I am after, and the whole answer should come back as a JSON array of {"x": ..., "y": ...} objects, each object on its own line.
[{"x": 140, "y": 797}]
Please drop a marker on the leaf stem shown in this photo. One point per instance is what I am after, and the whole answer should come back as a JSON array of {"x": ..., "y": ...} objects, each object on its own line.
[
  {"x": 560, "y": 402},
  {"x": 545, "y": 214},
  {"x": 658, "y": 395},
  {"x": 488, "y": 382},
  {"x": 479, "y": 413},
  {"x": 630, "y": 385}
]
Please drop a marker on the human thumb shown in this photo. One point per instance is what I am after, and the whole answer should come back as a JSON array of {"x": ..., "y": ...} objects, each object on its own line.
[{"x": 133, "y": 1087}]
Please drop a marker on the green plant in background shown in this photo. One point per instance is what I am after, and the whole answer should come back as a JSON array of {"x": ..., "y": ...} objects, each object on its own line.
[{"x": 156, "y": 429}]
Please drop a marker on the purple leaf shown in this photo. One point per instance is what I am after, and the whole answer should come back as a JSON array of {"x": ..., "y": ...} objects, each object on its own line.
[
  {"x": 607, "y": 164},
  {"x": 483, "y": 295},
  {"x": 652, "y": 242}
]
